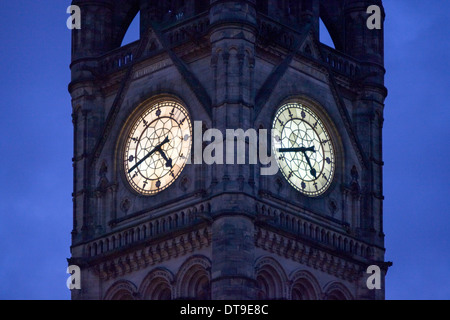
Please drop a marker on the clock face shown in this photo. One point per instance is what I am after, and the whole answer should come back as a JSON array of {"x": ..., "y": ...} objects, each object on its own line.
[
  {"x": 157, "y": 147},
  {"x": 303, "y": 149}
]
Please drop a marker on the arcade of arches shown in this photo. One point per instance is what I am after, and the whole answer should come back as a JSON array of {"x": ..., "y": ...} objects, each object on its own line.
[{"x": 192, "y": 282}]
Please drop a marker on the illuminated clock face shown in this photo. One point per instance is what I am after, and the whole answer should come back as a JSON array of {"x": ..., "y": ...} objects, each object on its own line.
[
  {"x": 157, "y": 147},
  {"x": 303, "y": 149}
]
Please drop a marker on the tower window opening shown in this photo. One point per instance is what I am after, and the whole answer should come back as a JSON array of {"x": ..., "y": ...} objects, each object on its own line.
[
  {"x": 325, "y": 36},
  {"x": 133, "y": 32}
]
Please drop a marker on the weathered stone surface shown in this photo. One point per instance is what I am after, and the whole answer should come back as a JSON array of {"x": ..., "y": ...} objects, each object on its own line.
[{"x": 225, "y": 231}]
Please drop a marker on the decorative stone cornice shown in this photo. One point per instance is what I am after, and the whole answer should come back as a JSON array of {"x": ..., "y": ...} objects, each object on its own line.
[
  {"x": 298, "y": 251},
  {"x": 155, "y": 252}
]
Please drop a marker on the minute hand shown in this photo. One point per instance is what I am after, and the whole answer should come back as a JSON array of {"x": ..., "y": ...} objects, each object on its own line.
[
  {"x": 313, "y": 171},
  {"x": 156, "y": 149}
]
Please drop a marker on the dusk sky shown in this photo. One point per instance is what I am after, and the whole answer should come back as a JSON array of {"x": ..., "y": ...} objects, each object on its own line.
[{"x": 36, "y": 146}]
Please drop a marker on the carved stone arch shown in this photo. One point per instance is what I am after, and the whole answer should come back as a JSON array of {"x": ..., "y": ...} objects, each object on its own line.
[
  {"x": 157, "y": 285},
  {"x": 304, "y": 286},
  {"x": 337, "y": 291},
  {"x": 271, "y": 279},
  {"x": 193, "y": 279},
  {"x": 122, "y": 290},
  {"x": 330, "y": 13},
  {"x": 124, "y": 14}
]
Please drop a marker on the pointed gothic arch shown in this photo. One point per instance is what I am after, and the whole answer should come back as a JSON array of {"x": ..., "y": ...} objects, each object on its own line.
[
  {"x": 325, "y": 36},
  {"x": 124, "y": 15},
  {"x": 330, "y": 11},
  {"x": 132, "y": 33}
]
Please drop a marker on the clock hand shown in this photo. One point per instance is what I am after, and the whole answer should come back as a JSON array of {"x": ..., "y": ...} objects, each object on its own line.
[
  {"x": 168, "y": 160},
  {"x": 303, "y": 150},
  {"x": 156, "y": 149},
  {"x": 313, "y": 171}
]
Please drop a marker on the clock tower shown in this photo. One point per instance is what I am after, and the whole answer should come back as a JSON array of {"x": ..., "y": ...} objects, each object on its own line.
[{"x": 155, "y": 219}]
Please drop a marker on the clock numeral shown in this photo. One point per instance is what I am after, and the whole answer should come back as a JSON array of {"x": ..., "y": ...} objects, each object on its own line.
[
  {"x": 172, "y": 113},
  {"x": 182, "y": 121},
  {"x": 303, "y": 114},
  {"x": 281, "y": 122},
  {"x": 328, "y": 160},
  {"x": 158, "y": 184},
  {"x": 282, "y": 158},
  {"x": 303, "y": 185},
  {"x": 136, "y": 140},
  {"x": 315, "y": 185},
  {"x": 145, "y": 184},
  {"x": 131, "y": 159},
  {"x": 172, "y": 174},
  {"x": 134, "y": 176},
  {"x": 324, "y": 176},
  {"x": 325, "y": 141},
  {"x": 315, "y": 125},
  {"x": 290, "y": 175},
  {"x": 158, "y": 112},
  {"x": 290, "y": 114},
  {"x": 145, "y": 123}
]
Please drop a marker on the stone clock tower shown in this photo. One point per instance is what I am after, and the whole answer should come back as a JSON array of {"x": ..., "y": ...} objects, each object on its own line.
[{"x": 152, "y": 220}]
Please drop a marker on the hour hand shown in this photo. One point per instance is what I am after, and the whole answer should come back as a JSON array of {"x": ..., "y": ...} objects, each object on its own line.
[
  {"x": 301, "y": 149},
  {"x": 168, "y": 160},
  {"x": 156, "y": 149}
]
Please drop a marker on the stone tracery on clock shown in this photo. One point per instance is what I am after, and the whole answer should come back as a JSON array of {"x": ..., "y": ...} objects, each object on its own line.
[
  {"x": 303, "y": 149},
  {"x": 157, "y": 147}
]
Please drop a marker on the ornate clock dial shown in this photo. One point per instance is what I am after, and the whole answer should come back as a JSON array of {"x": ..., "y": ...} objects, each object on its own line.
[
  {"x": 157, "y": 147},
  {"x": 303, "y": 149}
]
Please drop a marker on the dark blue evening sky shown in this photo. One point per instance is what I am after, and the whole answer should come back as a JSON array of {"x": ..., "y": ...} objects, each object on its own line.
[{"x": 36, "y": 149}]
